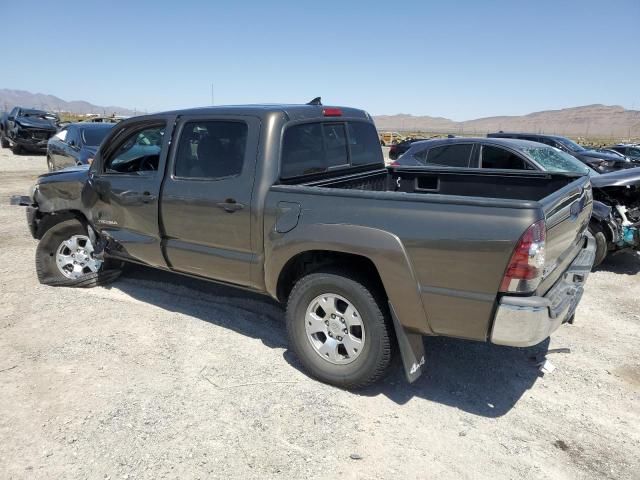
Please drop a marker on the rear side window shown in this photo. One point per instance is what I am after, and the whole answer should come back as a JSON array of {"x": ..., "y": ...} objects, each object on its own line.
[
  {"x": 449, "y": 155},
  {"x": 211, "y": 149},
  {"x": 311, "y": 148},
  {"x": 496, "y": 157}
]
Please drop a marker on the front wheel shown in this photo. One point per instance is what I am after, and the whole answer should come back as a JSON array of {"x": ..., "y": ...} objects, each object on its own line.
[
  {"x": 339, "y": 328},
  {"x": 602, "y": 248},
  {"x": 65, "y": 257}
]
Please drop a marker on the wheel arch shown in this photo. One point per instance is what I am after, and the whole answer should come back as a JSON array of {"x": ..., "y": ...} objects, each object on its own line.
[
  {"x": 48, "y": 220},
  {"x": 374, "y": 252}
]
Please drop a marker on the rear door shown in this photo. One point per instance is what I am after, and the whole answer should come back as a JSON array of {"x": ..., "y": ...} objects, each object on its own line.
[
  {"x": 206, "y": 197},
  {"x": 125, "y": 182}
]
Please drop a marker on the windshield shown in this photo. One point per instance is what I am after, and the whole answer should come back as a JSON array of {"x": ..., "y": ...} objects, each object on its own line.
[
  {"x": 570, "y": 144},
  {"x": 38, "y": 114},
  {"x": 93, "y": 136},
  {"x": 554, "y": 160}
]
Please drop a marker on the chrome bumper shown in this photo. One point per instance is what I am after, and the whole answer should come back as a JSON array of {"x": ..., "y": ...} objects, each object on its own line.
[{"x": 526, "y": 321}]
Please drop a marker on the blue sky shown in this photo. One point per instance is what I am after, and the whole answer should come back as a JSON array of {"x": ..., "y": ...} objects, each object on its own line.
[{"x": 459, "y": 60}]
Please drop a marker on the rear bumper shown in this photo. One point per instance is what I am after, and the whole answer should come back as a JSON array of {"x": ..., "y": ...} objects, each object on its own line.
[{"x": 526, "y": 321}]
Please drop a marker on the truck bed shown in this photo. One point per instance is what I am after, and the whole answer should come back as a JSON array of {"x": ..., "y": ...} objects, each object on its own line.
[
  {"x": 519, "y": 185},
  {"x": 457, "y": 230}
]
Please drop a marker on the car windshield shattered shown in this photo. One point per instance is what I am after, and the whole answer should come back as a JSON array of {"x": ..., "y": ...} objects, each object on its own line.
[{"x": 554, "y": 160}]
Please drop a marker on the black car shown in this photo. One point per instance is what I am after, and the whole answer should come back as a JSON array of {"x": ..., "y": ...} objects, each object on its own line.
[
  {"x": 26, "y": 129},
  {"x": 615, "y": 223},
  {"x": 631, "y": 151},
  {"x": 75, "y": 144},
  {"x": 395, "y": 151},
  {"x": 599, "y": 161}
]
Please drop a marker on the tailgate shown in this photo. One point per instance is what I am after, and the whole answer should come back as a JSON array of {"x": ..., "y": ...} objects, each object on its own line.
[{"x": 567, "y": 214}]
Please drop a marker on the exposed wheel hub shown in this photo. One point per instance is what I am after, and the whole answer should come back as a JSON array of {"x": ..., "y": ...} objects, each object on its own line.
[{"x": 74, "y": 257}]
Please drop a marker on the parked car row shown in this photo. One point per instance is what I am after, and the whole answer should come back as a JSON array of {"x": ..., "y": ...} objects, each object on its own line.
[
  {"x": 366, "y": 259},
  {"x": 65, "y": 143},
  {"x": 615, "y": 223}
]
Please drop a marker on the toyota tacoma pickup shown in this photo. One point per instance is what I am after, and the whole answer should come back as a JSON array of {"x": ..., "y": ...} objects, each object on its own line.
[{"x": 294, "y": 201}]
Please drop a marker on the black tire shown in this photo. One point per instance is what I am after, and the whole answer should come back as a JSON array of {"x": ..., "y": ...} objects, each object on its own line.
[
  {"x": 601, "y": 244},
  {"x": 4, "y": 142},
  {"x": 47, "y": 270},
  {"x": 373, "y": 362},
  {"x": 17, "y": 149}
]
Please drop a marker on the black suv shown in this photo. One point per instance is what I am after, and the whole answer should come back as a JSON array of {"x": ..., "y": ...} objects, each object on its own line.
[
  {"x": 631, "y": 150},
  {"x": 599, "y": 161}
]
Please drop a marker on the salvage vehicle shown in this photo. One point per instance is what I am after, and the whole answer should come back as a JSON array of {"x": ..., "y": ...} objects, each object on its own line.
[
  {"x": 631, "y": 150},
  {"x": 295, "y": 202},
  {"x": 75, "y": 144},
  {"x": 599, "y": 161},
  {"x": 27, "y": 129},
  {"x": 615, "y": 222}
]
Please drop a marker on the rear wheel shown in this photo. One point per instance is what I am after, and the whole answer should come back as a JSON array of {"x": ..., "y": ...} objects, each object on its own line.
[
  {"x": 339, "y": 328},
  {"x": 601, "y": 243},
  {"x": 65, "y": 257}
]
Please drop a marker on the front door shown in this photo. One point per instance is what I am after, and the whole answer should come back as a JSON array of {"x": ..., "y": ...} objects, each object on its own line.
[
  {"x": 124, "y": 187},
  {"x": 206, "y": 197}
]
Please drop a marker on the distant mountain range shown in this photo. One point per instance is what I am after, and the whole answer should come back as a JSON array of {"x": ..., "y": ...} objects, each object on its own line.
[
  {"x": 587, "y": 121},
  {"x": 13, "y": 98}
]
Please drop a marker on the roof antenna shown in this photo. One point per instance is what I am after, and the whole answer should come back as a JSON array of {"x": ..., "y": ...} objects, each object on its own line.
[{"x": 315, "y": 101}]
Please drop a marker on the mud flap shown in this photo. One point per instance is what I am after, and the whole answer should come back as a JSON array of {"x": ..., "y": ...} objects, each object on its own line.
[{"x": 411, "y": 349}]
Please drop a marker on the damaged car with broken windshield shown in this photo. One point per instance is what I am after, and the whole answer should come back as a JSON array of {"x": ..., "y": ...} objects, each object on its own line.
[
  {"x": 615, "y": 222},
  {"x": 26, "y": 129}
]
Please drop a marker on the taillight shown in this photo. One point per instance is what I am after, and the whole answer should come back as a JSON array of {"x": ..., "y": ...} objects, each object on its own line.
[
  {"x": 331, "y": 112},
  {"x": 526, "y": 266}
]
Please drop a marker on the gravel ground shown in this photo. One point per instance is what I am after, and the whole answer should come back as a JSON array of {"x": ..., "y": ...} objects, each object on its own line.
[{"x": 158, "y": 376}]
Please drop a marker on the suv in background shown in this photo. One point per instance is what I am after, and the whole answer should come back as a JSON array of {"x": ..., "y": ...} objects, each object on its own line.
[{"x": 599, "y": 161}]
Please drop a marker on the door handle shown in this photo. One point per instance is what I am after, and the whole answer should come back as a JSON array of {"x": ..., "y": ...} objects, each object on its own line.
[
  {"x": 230, "y": 205},
  {"x": 147, "y": 197}
]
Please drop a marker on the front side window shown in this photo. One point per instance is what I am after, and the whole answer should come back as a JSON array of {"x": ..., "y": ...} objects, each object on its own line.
[
  {"x": 449, "y": 155},
  {"x": 138, "y": 153},
  {"x": 211, "y": 149},
  {"x": 61, "y": 135},
  {"x": 496, "y": 157}
]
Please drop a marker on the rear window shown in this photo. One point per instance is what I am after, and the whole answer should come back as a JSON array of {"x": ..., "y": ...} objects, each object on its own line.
[
  {"x": 94, "y": 136},
  {"x": 319, "y": 147}
]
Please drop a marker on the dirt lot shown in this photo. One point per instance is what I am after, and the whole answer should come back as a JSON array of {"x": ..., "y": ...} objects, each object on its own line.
[{"x": 158, "y": 376}]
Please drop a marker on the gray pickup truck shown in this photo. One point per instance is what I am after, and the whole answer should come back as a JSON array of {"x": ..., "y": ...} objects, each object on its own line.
[{"x": 294, "y": 201}]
